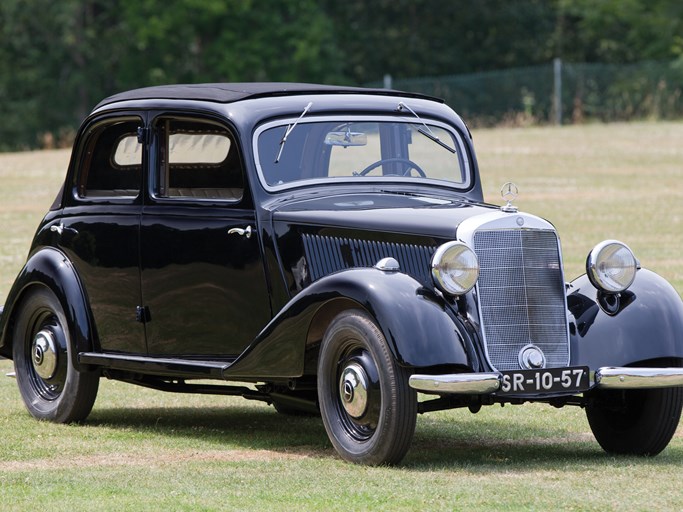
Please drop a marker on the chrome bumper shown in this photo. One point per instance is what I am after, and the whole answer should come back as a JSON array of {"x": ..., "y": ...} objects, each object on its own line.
[
  {"x": 606, "y": 378},
  {"x": 460, "y": 383},
  {"x": 635, "y": 378}
]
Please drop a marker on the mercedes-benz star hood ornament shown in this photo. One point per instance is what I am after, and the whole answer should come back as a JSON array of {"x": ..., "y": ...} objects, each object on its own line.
[{"x": 509, "y": 193}]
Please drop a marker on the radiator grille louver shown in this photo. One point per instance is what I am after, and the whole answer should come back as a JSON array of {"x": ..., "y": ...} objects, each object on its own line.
[
  {"x": 521, "y": 295},
  {"x": 327, "y": 254}
]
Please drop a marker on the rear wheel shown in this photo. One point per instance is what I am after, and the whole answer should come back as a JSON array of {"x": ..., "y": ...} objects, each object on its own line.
[
  {"x": 52, "y": 389},
  {"x": 368, "y": 409},
  {"x": 635, "y": 421}
]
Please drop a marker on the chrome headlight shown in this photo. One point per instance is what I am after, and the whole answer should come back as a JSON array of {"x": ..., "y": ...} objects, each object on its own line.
[
  {"x": 455, "y": 268},
  {"x": 611, "y": 266}
]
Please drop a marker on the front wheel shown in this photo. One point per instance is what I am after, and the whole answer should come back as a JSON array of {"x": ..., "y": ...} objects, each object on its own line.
[
  {"x": 368, "y": 409},
  {"x": 635, "y": 421},
  {"x": 52, "y": 389}
]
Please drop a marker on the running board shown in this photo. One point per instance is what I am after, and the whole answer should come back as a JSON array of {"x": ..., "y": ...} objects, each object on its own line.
[{"x": 163, "y": 366}]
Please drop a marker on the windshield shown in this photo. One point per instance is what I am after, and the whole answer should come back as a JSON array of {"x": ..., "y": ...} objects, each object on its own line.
[{"x": 292, "y": 153}]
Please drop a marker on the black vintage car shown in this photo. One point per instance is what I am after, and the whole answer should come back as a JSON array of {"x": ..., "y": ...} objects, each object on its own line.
[{"x": 326, "y": 249}]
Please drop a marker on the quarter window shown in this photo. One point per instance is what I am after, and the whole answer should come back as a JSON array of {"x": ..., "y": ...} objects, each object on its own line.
[
  {"x": 111, "y": 161},
  {"x": 128, "y": 152}
]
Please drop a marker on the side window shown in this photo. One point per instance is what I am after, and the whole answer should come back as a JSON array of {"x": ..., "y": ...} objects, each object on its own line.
[
  {"x": 111, "y": 160},
  {"x": 197, "y": 159}
]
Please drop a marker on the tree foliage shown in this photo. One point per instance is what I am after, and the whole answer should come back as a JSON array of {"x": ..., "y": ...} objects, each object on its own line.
[
  {"x": 408, "y": 38},
  {"x": 621, "y": 31},
  {"x": 57, "y": 59}
]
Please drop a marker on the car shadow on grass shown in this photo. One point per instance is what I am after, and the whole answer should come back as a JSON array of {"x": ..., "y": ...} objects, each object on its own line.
[
  {"x": 258, "y": 428},
  {"x": 485, "y": 445}
]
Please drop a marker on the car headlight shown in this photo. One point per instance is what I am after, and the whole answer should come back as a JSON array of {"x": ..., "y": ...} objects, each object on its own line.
[
  {"x": 611, "y": 266},
  {"x": 455, "y": 268}
]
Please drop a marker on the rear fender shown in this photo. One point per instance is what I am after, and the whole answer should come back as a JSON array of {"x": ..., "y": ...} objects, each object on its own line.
[
  {"x": 415, "y": 322},
  {"x": 50, "y": 268},
  {"x": 646, "y": 323}
]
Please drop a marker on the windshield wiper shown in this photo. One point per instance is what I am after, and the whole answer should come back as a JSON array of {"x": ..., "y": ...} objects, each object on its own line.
[
  {"x": 426, "y": 131},
  {"x": 289, "y": 130}
]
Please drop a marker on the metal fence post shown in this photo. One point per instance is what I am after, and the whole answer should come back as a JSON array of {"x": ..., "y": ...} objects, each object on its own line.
[{"x": 557, "y": 89}]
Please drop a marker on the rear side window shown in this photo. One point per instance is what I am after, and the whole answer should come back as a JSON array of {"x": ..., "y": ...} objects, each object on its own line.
[
  {"x": 111, "y": 160},
  {"x": 197, "y": 159},
  {"x": 128, "y": 152}
]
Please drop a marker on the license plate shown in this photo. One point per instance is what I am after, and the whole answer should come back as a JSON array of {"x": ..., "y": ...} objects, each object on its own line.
[{"x": 546, "y": 380}]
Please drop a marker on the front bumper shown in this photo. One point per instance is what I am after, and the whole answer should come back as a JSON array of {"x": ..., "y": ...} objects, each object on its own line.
[{"x": 605, "y": 378}]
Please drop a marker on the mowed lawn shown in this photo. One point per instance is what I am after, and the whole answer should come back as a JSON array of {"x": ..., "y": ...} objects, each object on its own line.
[{"x": 147, "y": 450}]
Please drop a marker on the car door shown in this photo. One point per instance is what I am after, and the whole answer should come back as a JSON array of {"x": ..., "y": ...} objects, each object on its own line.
[
  {"x": 203, "y": 282},
  {"x": 99, "y": 230}
]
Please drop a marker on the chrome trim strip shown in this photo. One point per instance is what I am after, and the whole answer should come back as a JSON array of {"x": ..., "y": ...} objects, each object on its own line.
[
  {"x": 461, "y": 383},
  {"x": 610, "y": 377}
]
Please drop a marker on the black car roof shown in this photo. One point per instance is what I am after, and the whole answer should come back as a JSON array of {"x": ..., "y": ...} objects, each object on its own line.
[{"x": 231, "y": 92}]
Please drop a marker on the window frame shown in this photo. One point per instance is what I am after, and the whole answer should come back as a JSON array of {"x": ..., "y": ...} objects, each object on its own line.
[
  {"x": 159, "y": 156},
  {"x": 466, "y": 166},
  {"x": 86, "y": 150}
]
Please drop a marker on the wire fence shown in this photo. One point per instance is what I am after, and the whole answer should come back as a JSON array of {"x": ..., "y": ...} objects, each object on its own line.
[{"x": 559, "y": 92}]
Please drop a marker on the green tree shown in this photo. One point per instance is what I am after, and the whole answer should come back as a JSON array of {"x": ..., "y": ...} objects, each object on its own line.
[
  {"x": 408, "y": 38},
  {"x": 59, "y": 58},
  {"x": 227, "y": 40},
  {"x": 55, "y": 58},
  {"x": 620, "y": 31}
]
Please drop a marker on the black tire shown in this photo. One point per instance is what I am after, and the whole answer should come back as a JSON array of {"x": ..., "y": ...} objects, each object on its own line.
[
  {"x": 368, "y": 409},
  {"x": 635, "y": 421},
  {"x": 52, "y": 389}
]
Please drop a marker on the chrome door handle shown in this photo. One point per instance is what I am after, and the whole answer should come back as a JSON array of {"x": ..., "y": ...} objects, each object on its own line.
[
  {"x": 60, "y": 228},
  {"x": 241, "y": 231}
]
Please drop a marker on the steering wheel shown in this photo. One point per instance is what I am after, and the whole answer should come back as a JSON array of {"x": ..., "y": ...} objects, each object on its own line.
[{"x": 410, "y": 163}]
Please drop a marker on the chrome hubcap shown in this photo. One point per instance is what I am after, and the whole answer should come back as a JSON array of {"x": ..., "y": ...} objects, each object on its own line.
[
  {"x": 44, "y": 354},
  {"x": 531, "y": 357},
  {"x": 353, "y": 390}
]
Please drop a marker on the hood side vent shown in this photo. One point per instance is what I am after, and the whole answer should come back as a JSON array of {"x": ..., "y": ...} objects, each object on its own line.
[{"x": 327, "y": 254}]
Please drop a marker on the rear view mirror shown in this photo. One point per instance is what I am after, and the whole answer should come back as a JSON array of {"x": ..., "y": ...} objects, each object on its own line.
[{"x": 346, "y": 139}]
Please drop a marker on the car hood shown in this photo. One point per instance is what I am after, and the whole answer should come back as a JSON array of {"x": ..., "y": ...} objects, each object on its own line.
[{"x": 386, "y": 212}]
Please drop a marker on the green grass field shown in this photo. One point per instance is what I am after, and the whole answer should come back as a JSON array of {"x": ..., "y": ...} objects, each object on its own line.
[{"x": 146, "y": 450}]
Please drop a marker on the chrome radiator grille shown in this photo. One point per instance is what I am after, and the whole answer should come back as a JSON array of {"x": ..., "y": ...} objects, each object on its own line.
[{"x": 521, "y": 295}]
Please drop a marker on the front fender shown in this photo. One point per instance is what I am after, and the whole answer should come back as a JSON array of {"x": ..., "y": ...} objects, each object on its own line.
[
  {"x": 51, "y": 268},
  {"x": 647, "y": 324},
  {"x": 415, "y": 322}
]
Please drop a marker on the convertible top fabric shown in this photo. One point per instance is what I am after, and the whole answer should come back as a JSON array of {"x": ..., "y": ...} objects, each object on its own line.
[{"x": 231, "y": 92}]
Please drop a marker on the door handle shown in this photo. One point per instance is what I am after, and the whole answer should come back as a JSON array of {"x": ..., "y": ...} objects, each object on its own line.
[
  {"x": 60, "y": 228},
  {"x": 241, "y": 231}
]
